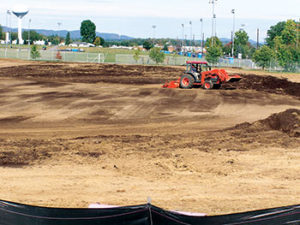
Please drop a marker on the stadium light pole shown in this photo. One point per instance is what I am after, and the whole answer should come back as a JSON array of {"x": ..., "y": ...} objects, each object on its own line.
[
  {"x": 215, "y": 31},
  {"x": 29, "y": 33},
  {"x": 182, "y": 25},
  {"x": 201, "y": 21},
  {"x": 213, "y": 19},
  {"x": 59, "y": 24},
  {"x": 6, "y": 28},
  {"x": 233, "y": 27},
  {"x": 191, "y": 26},
  {"x": 153, "y": 27}
]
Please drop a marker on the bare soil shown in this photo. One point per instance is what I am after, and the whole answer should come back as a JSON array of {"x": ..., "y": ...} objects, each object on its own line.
[{"x": 72, "y": 134}]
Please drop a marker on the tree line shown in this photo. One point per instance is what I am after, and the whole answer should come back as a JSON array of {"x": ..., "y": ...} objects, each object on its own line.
[
  {"x": 282, "y": 44},
  {"x": 282, "y": 47}
]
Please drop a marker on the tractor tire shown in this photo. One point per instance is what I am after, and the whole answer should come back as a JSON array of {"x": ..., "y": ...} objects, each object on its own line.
[
  {"x": 187, "y": 81},
  {"x": 208, "y": 84}
]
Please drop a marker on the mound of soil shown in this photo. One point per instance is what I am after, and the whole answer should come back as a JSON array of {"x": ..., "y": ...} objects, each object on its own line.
[
  {"x": 135, "y": 74},
  {"x": 91, "y": 73},
  {"x": 25, "y": 152},
  {"x": 19, "y": 158},
  {"x": 267, "y": 84},
  {"x": 287, "y": 122}
]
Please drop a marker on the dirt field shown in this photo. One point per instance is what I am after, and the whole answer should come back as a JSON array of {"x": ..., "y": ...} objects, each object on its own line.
[{"x": 74, "y": 134}]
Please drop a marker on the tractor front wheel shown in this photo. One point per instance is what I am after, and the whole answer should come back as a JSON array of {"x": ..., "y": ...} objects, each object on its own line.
[
  {"x": 186, "y": 81},
  {"x": 208, "y": 84}
]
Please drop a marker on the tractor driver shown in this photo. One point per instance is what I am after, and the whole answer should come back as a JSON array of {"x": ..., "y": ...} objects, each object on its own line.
[{"x": 195, "y": 70}]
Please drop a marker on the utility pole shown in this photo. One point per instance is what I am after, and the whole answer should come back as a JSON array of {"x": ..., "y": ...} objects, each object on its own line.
[
  {"x": 59, "y": 24},
  {"x": 202, "y": 43},
  {"x": 201, "y": 36},
  {"x": 215, "y": 17},
  {"x": 154, "y": 26},
  {"x": 29, "y": 33},
  {"x": 191, "y": 26},
  {"x": 6, "y": 41},
  {"x": 182, "y": 25},
  {"x": 233, "y": 34}
]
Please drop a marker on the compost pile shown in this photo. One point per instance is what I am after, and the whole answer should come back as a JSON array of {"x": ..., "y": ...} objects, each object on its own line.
[
  {"x": 267, "y": 84},
  {"x": 92, "y": 73},
  {"x": 137, "y": 74},
  {"x": 287, "y": 122}
]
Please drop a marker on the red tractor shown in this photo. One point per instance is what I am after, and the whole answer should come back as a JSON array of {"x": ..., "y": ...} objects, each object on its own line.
[{"x": 200, "y": 74}]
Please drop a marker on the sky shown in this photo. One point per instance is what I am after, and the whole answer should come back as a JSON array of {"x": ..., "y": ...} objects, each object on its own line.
[{"x": 136, "y": 18}]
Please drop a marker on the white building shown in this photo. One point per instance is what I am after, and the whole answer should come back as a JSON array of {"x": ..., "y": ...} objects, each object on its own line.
[
  {"x": 81, "y": 44},
  {"x": 39, "y": 42},
  {"x": 192, "y": 49}
]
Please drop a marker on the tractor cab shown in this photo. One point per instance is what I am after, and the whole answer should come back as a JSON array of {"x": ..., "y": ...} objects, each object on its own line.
[{"x": 195, "y": 68}]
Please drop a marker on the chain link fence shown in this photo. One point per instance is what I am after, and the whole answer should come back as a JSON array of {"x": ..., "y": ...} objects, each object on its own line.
[
  {"x": 177, "y": 60},
  {"x": 51, "y": 55},
  {"x": 146, "y": 60},
  {"x": 173, "y": 60}
]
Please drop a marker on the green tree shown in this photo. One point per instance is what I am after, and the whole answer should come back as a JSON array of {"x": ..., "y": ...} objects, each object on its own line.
[
  {"x": 102, "y": 41},
  {"x": 241, "y": 44},
  {"x": 34, "y": 53},
  {"x": 289, "y": 34},
  {"x": 147, "y": 45},
  {"x": 14, "y": 36},
  {"x": 241, "y": 38},
  {"x": 97, "y": 41},
  {"x": 273, "y": 32},
  {"x": 156, "y": 55},
  {"x": 165, "y": 48},
  {"x": 54, "y": 39},
  {"x": 284, "y": 54},
  {"x": 68, "y": 39},
  {"x": 213, "y": 54},
  {"x": 264, "y": 56},
  {"x": 33, "y": 35},
  {"x": 286, "y": 46},
  {"x": 213, "y": 41},
  {"x": 88, "y": 31},
  {"x": 136, "y": 54}
]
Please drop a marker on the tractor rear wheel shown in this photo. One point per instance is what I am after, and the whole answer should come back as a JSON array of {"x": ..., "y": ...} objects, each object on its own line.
[
  {"x": 208, "y": 84},
  {"x": 186, "y": 81}
]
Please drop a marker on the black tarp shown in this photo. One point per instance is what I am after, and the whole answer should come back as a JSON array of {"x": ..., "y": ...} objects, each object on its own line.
[{"x": 19, "y": 214}]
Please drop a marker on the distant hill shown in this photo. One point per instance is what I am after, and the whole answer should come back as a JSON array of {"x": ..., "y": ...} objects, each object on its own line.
[{"x": 75, "y": 34}]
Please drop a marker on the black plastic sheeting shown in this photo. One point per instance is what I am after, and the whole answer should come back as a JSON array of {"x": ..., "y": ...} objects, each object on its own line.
[{"x": 18, "y": 214}]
